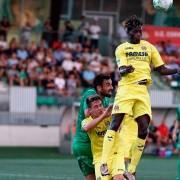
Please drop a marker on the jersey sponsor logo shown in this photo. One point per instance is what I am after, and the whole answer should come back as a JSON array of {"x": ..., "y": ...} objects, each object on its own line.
[{"x": 129, "y": 54}]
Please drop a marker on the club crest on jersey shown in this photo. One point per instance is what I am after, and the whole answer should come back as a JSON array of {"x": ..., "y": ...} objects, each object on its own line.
[
  {"x": 143, "y": 48},
  {"x": 116, "y": 108}
]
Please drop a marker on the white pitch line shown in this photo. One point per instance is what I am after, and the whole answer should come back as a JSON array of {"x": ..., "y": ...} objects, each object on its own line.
[{"x": 38, "y": 176}]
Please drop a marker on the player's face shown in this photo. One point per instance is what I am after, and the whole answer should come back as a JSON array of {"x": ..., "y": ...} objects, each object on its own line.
[
  {"x": 107, "y": 88},
  {"x": 136, "y": 34},
  {"x": 96, "y": 108}
]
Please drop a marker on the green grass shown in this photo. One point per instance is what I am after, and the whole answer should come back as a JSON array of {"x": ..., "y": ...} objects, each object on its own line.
[{"x": 42, "y": 164}]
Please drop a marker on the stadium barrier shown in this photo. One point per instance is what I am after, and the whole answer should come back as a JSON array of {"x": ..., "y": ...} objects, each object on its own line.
[{"x": 54, "y": 125}]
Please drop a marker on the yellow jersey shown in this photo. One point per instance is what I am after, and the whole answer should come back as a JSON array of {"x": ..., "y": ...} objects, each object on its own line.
[
  {"x": 140, "y": 56},
  {"x": 96, "y": 136}
]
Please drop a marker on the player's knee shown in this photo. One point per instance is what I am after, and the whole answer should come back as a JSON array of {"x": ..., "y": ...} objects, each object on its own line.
[
  {"x": 143, "y": 124},
  {"x": 116, "y": 122}
]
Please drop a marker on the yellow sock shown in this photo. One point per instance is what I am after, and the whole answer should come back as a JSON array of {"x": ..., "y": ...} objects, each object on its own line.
[
  {"x": 137, "y": 151},
  {"x": 108, "y": 143}
]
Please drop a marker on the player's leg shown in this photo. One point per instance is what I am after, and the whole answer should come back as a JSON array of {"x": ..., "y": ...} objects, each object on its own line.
[
  {"x": 127, "y": 136},
  {"x": 118, "y": 160},
  {"x": 129, "y": 131},
  {"x": 142, "y": 114},
  {"x": 109, "y": 140},
  {"x": 120, "y": 108},
  {"x": 86, "y": 168},
  {"x": 84, "y": 158},
  {"x": 138, "y": 147}
]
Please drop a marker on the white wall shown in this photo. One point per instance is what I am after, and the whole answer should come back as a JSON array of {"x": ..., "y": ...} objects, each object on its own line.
[{"x": 29, "y": 136}]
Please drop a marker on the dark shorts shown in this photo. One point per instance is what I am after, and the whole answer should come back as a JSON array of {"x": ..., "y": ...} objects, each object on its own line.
[
  {"x": 83, "y": 154},
  {"x": 86, "y": 166}
]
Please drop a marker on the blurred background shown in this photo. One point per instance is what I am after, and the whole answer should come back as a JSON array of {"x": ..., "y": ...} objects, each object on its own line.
[{"x": 50, "y": 52}]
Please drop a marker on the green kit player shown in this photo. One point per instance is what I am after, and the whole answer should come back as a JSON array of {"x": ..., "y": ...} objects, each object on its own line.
[{"x": 81, "y": 143}]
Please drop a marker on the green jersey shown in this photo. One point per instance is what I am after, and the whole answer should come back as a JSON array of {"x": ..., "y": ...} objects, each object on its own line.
[
  {"x": 81, "y": 136},
  {"x": 178, "y": 119}
]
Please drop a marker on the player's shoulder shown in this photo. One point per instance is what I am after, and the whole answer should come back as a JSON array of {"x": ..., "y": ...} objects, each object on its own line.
[
  {"x": 89, "y": 92},
  {"x": 122, "y": 46},
  {"x": 86, "y": 120},
  {"x": 146, "y": 43}
]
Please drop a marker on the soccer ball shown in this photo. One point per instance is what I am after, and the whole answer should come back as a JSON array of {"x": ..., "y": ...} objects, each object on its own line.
[{"x": 163, "y": 5}]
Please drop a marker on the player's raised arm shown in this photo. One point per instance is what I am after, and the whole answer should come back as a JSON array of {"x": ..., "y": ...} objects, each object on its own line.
[
  {"x": 159, "y": 64},
  {"x": 164, "y": 70}
]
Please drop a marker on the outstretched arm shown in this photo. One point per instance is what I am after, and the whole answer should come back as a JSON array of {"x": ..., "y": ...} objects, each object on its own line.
[
  {"x": 93, "y": 123},
  {"x": 163, "y": 70}
]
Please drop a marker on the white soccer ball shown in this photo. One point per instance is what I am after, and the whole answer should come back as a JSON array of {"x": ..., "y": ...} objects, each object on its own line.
[{"x": 163, "y": 5}]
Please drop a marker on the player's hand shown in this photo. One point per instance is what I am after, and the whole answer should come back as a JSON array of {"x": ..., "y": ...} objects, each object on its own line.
[
  {"x": 108, "y": 111},
  {"x": 130, "y": 69}
]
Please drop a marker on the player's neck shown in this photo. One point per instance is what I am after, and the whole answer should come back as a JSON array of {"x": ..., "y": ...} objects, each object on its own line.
[{"x": 134, "y": 41}]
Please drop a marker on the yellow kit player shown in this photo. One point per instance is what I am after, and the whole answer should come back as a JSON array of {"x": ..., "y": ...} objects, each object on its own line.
[
  {"x": 96, "y": 126},
  {"x": 134, "y": 59}
]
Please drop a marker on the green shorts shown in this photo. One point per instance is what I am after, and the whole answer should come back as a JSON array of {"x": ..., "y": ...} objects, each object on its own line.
[
  {"x": 83, "y": 154},
  {"x": 86, "y": 166}
]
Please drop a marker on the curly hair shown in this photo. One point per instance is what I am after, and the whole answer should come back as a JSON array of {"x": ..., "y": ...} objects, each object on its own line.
[{"x": 132, "y": 22}]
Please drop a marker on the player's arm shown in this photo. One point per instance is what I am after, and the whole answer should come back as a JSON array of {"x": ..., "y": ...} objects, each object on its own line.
[
  {"x": 159, "y": 64},
  {"x": 92, "y": 123},
  {"x": 121, "y": 61},
  {"x": 163, "y": 70},
  {"x": 124, "y": 70}
]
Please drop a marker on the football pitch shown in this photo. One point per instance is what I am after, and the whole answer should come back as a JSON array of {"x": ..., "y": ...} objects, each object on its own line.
[{"x": 46, "y": 165}]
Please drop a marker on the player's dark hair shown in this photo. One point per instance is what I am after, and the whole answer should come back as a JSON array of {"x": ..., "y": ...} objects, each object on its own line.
[
  {"x": 132, "y": 22},
  {"x": 98, "y": 80},
  {"x": 92, "y": 98}
]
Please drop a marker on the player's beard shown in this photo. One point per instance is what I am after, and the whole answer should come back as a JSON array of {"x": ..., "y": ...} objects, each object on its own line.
[{"x": 106, "y": 94}]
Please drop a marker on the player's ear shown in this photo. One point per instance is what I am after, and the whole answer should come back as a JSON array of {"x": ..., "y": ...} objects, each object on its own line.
[
  {"x": 88, "y": 112},
  {"x": 99, "y": 88}
]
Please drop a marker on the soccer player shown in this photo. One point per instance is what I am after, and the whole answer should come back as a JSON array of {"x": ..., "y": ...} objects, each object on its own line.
[
  {"x": 96, "y": 126},
  {"x": 134, "y": 59},
  {"x": 81, "y": 143}
]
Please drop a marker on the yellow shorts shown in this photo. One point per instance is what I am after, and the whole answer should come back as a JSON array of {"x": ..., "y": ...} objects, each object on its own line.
[{"x": 132, "y": 99}]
